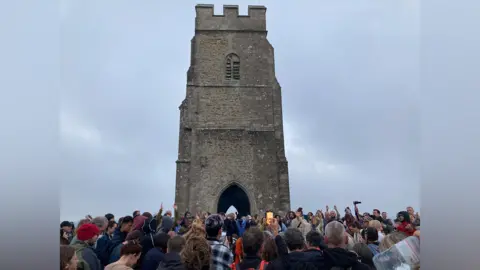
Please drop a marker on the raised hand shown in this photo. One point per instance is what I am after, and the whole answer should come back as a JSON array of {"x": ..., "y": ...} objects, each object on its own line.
[
  {"x": 161, "y": 205},
  {"x": 335, "y": 207},
  {"x": 175, "y": 206}
]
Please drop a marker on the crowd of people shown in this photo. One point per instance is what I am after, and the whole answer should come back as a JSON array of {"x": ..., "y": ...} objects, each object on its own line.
[{"x": 293, "y": 240}]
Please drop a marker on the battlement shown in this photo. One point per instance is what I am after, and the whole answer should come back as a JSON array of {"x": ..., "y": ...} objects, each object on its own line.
[{"x": 206, "y": 20}]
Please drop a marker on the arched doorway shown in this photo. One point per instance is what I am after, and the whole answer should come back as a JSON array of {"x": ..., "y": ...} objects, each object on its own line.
[{"x": 236, "y": 196}]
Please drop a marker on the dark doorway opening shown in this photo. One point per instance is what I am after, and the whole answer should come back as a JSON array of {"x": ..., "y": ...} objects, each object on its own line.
[{"x": 234, "y": 195}]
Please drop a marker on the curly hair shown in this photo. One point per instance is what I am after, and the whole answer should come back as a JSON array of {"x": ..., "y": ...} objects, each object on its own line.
[
  {"x": 198, "y": 221},
  {"x": 195, "y": 230},
  {"x": 196, "y": 254}
]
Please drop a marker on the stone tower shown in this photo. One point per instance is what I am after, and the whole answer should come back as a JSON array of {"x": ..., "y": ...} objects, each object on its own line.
[{"x": 231, "y": 149}]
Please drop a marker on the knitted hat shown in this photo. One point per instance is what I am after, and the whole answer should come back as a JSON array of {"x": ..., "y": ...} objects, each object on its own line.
[{"x": 87, "y": 231}]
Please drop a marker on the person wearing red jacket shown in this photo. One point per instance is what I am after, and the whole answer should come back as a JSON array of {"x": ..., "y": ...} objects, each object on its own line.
[{"x": 405, "y": 225}]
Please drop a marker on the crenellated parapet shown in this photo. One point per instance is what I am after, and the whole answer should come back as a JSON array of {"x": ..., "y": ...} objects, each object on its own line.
[{"x": 231, "y": 20}]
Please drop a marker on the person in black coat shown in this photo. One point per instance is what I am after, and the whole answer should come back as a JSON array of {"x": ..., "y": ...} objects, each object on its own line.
[
  {"x": 172, "y": 260},
  {"x": 147, "y": 241},
  {"x": 291, "y": 255},
  {"x": 230, "y": 226},
  {"x": 336, "y": 255},
  {"x": 156, "y": 255}
]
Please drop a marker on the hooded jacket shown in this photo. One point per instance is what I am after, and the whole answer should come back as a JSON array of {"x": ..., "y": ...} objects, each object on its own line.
[
  {"x": 138, "y": 222},
  {"x": 148, "y": 228},
  {"x": 166, "y": 224}
]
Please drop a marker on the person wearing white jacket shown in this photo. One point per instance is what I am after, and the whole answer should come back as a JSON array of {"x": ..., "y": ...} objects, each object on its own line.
[{"x": 300, "y": 223}]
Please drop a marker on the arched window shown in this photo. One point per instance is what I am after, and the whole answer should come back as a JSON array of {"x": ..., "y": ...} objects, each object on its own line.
[{"x": 232, "y": 67}]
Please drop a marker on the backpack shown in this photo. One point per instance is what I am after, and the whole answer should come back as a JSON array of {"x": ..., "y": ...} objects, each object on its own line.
[
  {"x": 261, "y": 266},
  {"x": 149, "y": 226}
]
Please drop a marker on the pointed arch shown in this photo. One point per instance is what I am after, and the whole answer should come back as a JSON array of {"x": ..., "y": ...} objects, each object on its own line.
[
  {"x": 234, "y": 194},
  {"x": 232, "y": 67}
]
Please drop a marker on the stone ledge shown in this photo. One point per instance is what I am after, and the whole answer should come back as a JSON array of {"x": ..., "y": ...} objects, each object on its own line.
[{"x": 228, "y": 86}]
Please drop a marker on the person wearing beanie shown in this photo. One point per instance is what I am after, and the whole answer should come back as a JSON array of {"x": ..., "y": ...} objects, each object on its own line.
[{"x": 87, "y": 235}]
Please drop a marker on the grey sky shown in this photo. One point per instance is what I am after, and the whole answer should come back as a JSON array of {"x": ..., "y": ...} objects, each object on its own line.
[{"x": 349, "y": 76}]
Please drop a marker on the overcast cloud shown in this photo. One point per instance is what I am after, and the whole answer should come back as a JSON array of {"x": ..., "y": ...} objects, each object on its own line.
[{"x": 349, "y": 76}]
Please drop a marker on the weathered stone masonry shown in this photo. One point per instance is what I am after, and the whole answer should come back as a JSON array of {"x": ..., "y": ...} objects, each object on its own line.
[{"x": 231, "y": 127}]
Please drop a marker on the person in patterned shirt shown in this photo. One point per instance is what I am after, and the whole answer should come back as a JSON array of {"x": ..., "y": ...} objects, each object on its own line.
[{"x": 222, "y": 257}]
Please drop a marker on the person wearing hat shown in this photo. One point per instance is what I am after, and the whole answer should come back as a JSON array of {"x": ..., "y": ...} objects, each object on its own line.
[{"x": 87, "y": 235}]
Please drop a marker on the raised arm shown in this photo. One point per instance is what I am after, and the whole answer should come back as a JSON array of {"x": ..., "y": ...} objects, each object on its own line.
[
  {"x": 338, "y": 213},
  {"x": 177, "y": 217},
  {"x": 159, "y": 215},
  {"x": 357, "y": 214}
]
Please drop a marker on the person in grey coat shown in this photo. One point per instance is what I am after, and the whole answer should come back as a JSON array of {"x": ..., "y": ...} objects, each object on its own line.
[{"x": 87, "y": 235}]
